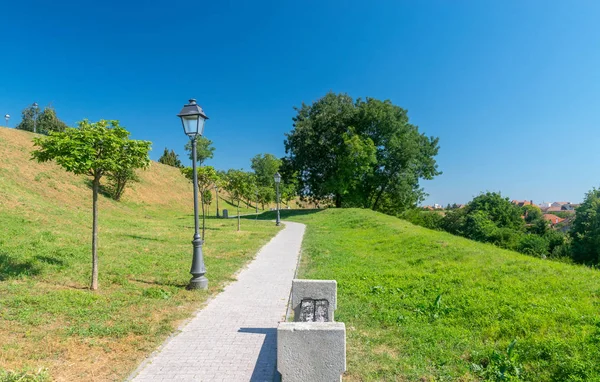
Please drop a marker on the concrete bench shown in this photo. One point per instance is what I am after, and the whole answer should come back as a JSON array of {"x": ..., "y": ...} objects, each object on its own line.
[{"x": 313, "y": 347}]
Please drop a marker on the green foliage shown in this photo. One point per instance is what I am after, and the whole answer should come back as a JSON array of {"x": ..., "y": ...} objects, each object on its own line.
[
  {"x": 361, "y": 153},
  {"x": 95, "y": 149},
  {"x": 500, "y": 366},
  {"x": 46, "y": 121},
  {"x": 204, "y": 149},
  {"x": 265, "y": 166},
  {"x": 170, "y": 159},
  {"x": 427, "y": 219},
  {"x": 586, "y": 230},
  {"x": 531, "y": 213},
  {"x": 498, "y": 209},
  {"x": 534, "y": 245}
]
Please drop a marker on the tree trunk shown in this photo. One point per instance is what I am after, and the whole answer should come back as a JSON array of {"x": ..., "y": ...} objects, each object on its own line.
[
  {"x": 203, "y": 217},
  {"x": 338, "y": 201},
  {"x": 96, "y": 186},
  {"x": 238, "y": 212}
]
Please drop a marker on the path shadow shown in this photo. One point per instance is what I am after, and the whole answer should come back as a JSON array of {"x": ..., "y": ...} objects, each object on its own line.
[
  {"x": 283, "y": 214},
  {"x": 11, "y": 267},
  {"x": 266, "y": 364}
]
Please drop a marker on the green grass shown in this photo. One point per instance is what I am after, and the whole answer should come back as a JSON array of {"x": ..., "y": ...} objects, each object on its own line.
[
  {"x": 422, "y": 305},
  {"x": 49, "y": 319}
]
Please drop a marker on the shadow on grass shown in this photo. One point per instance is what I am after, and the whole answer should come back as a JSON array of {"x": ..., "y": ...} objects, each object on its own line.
[
  {"x": 11, "y": 268},
  {"x": 50, "y": 260},
  {"x": 160, "y": 283},
  {"x": 283, "y": 214},
  {"x": 138, "y": 237}
]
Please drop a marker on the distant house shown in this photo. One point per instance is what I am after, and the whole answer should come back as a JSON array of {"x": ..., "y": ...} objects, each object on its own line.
[
  {"x": 552, "y": 209},
  {"x": 559, "y": 204},
  {"x": 553, "y": 219},
  {"x": 569, "y": 207},
  {"x": 543, "y": 205}
]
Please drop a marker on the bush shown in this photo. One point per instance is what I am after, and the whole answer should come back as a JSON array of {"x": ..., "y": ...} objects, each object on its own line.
[
  {"x": 533, "y": 245},
  {"x": 427, "y": 219}
]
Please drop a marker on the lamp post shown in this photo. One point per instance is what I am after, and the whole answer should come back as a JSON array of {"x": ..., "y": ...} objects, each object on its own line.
[
  {"x": 277, "y": 180},
  {"x": 7, "y": 117},
  {"x": 35, "y": 111},
  {"x": 193, "y": 119}
]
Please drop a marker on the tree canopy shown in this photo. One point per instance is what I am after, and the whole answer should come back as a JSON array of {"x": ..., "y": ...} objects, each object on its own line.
[
  {"x": 45, "y": 121},
  {"x": 94, "y": 149},
  {"x": 585, "y": 232},
  {"x": 359, "y": 153},
  {"x": 170, "y": 159},
  {"x": 204, "y": 149}
]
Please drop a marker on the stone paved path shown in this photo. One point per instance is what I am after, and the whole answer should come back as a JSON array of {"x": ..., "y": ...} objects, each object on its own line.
[{"x": 233, "y": 338}]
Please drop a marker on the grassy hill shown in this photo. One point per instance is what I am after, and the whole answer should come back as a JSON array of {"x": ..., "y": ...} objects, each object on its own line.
[
  {"x": 48, "y": 318},
  {"x": 423, "y": 305}
]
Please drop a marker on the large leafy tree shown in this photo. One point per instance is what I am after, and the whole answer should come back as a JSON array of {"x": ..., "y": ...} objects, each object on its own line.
[
  {"x": 94, "y": 149},
  {"x": 170, "y": 159},
  {"x": 204, "y": 149},
  {"x": 360, "y": 153},
  {"x": 45, "y": 121},
  {"x": 585, "y": 232}
]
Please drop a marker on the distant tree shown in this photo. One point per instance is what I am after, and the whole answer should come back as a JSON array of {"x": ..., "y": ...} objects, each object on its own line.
[
  {"x": 361, "y": 153},
  {"x": 585, "y": 232},
  {"x": 204, "y": 150},
  {"x": 45, "y": 120},
  {"x": 500, "y": 210},
  {"x": 531, "y": 213},
  {"x": 265, "y": 166},
  {"x": 94, "y": 149},
  {"x": 207, "y": 177},
  {"x": 119, "y": 180},
  {"x": 236, "y": 185},
  {"x": 266, "y": 195},
  {"x": 170, "y": 159}
]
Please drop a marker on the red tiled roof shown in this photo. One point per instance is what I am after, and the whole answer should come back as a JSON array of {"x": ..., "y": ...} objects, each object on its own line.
[{"x": 553, "y": 218}]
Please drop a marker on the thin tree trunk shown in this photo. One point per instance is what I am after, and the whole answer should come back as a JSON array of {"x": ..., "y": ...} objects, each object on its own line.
[
  {"x": 96, "y": 186},
  {"x": 338, "y": 201},
  {"x": 238, "y": 212},
  {"x": 203, "y": 217}
]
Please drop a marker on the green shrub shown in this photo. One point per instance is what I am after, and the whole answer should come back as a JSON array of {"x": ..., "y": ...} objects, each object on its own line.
[
  {"x": 427, "y": 219},
  {"x": 533, "y": 245}
]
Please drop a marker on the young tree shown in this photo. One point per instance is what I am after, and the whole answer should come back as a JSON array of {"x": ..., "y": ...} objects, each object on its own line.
[
  {"x": 170, "y": 159},
  {"x": 119, "y": 180},
  {"x": 236, "y": 186},
  {"x": 265, "y": 166},
  {"x": 204, "y": 149},
  {"x": 207, "y": 177},
  {"x": 45, "y": 121},
  {"x": 94, "y": 149}
]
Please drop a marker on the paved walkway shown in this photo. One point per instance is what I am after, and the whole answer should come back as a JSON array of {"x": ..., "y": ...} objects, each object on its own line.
[{"x": 233, "y": 338}]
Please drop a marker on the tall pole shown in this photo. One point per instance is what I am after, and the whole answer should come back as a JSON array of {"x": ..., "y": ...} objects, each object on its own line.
[
  {"x": 257, "y": 200},
  {"x": 198, "y": 281},
  {"x": 35, "y": 109},
  {"x": 278, "y": 221}
]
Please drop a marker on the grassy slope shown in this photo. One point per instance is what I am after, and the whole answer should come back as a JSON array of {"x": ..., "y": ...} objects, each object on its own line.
[
  {"x": 48, "y": 318},
  {"x": 390, "y": 273}
]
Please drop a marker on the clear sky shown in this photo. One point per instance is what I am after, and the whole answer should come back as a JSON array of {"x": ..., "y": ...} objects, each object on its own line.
[{"x": 512, "y": 88}]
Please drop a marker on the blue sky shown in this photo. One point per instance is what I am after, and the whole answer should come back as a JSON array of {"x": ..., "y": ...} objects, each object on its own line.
[{"x": 512, "y": 88}]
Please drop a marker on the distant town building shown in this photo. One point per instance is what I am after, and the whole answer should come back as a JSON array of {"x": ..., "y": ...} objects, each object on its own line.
[{"x": 553, "y": 219}]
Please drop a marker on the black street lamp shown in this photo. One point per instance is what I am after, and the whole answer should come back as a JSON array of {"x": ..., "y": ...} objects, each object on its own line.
[
  {"x": 7, "y": 117},
  {"x": 277, "y": 180},
  {"x": 193, "y": 118},
  {"x": 35, "y": 111},
  {"x": 217, "y": 194}
]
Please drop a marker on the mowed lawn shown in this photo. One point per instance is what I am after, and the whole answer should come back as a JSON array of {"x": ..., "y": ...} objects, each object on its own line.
[
  {"x": 422, "y": 305},
  {"x": 52, "y": 327}
]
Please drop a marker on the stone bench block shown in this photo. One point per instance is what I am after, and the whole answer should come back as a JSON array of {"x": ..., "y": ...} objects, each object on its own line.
[
  {"x": 315, "y": 299},
  {"x": 311, "y": 351}
]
